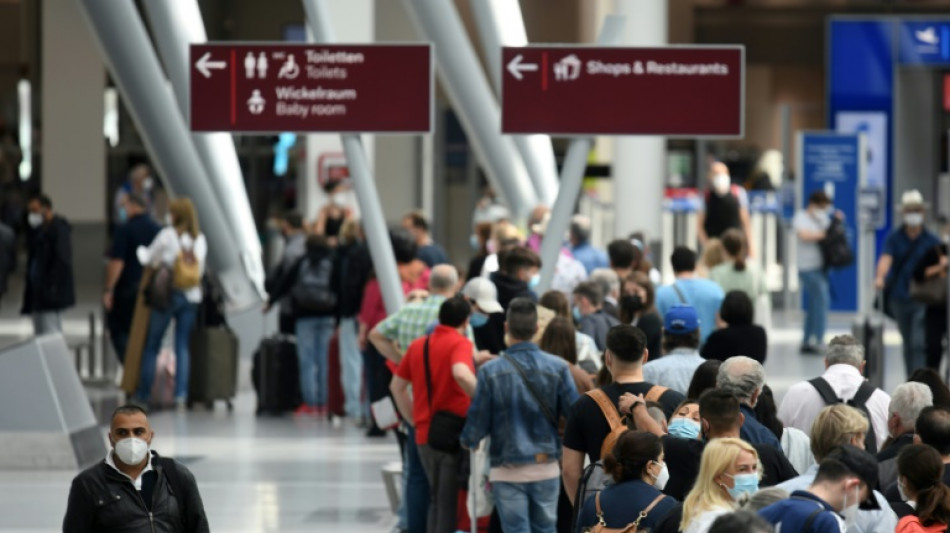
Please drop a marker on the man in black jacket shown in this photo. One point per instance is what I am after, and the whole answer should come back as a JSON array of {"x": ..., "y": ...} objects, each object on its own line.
[
  {"x": 133, "y": 489},
  {"x": 49, "y": 277}
]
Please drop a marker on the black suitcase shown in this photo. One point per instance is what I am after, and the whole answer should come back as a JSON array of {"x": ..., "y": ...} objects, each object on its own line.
[
  {"x": 214, "y": 366},
  {"x": 276, "y": 375}
]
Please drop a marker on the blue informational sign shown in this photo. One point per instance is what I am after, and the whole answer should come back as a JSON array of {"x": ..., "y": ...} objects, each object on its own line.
[
  {"x": 831, "y": 162},
  {"x": 924, "y": 42}
]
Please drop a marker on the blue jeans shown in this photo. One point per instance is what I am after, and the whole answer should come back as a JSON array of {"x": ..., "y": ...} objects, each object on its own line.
[
  {"x": 415, "y": 487},
  {"x": 313, "y": 349},
  {"x": 527, "y": 507},
  {"x": 351, "y": 361},
  {"x": 184, "y": 313},
  {"x": 909, "y": 315},
  {"x": 814, "y": 284}
]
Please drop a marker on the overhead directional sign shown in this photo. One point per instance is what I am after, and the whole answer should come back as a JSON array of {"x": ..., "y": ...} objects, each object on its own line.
[
  {"x": 684, "y": 91},
  {"x": 268, "y": 87}
]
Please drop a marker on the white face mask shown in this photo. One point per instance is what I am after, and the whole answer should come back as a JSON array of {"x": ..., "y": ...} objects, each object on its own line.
[
  {"x": 168, "y": 219},
  {"x": 850, "y": 512},
  {"x": 914, "y": 219},
  {"x": 131, "y": 451},
  {"x": 148, "y": 183},
  {"x": 721, "y": 183},
  {"x": 662, "y": 478},
  {"x": 35, "y": 220}
]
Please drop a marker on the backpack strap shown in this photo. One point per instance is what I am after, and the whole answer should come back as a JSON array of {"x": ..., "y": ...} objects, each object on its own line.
[
  {"x": 863, "y": 395},
  {"x": 607, "y": 407},
  {"x": 811, "y": 519},
  {"x": 824, "y": 389},
  {"x": 173, "y": 476},
  {"x": 679, "y": 293},
  {"x": 653, "y": 395}
]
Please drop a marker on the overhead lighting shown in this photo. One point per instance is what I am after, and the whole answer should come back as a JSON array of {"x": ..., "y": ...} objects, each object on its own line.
[{"x": 25, "y": 129}]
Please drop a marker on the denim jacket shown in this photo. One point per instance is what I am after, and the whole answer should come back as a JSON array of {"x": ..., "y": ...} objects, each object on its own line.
[{"x": 504, "y": 409}]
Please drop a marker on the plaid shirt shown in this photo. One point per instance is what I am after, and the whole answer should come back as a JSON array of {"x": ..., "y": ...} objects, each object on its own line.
[{"x": 412, "y": 321}]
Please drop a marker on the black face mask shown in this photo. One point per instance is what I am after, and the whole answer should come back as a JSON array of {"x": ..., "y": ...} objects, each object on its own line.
[{"x": 631, "y": 302}]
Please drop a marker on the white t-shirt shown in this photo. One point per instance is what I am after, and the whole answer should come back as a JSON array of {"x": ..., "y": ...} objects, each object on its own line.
[
  {"x": 164, "y": 250},
  {"x": 809, "y": 254}
]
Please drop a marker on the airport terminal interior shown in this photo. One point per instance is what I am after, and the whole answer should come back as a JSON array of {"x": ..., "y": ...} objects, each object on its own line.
[{"x": 471, "y": 128}]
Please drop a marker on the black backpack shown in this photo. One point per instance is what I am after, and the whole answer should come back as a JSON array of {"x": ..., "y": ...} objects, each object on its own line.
[
  {"x": 836, "y": 251},
  {"x": 313, "y": 291},
  {"x": 858, "y": 402}
]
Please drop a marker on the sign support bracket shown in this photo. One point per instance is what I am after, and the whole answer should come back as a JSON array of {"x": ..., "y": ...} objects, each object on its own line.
[{"x": 572, "y": 176}]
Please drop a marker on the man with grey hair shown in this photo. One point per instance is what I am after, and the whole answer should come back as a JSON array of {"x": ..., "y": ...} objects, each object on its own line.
[
  {"x": 581, "y": 248},
  {"x": 745, "y": 377},
  {"x": 534, "y": 390},
  {"x": 908, "y": 400},
  {"x": 610, "y": 286},
  {"x": 392, "y": 338},
  {"x": 842, "y": 382}
]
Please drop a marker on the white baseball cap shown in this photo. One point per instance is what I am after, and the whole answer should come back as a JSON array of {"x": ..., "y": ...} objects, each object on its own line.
[
  {"x": 912, "y": 198},
  {"x": 484, "y": 293}
]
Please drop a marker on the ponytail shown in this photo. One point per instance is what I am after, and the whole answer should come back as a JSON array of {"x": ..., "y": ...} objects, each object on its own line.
[
  {"x": 933, "y": 504},
  {"x": 733, "y": 241}
]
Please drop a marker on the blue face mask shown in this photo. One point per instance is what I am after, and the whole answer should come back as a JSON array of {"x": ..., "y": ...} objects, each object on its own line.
[
  {"x": 477, "y": 319},
  {"x": 577, "y": 314},
  {"x": 473, "y": 242},
  {"x": 534, "y": 281},
  {"x": 123, "y": 215},
  {"x": 684, "y": 428},
  {"x": 744, "y": 484}
]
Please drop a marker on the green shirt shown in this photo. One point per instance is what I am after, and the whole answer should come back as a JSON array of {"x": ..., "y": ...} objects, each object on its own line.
[
  {"x": 749, "y": 281},
  {"x": 411, "y": 321}
]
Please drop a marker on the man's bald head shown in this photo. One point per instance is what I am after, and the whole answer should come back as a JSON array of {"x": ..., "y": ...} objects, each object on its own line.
[
  {"x": 718, "y": 167},
  {"x": 443, "y": 280}
]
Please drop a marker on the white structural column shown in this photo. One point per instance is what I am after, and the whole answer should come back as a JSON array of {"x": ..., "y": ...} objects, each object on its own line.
[
  {"x": 74, "y": 163},
  {"x": 500, "y": 23},
  {"x": 177, "y": 26},
  {"x": 639, "y": 163}
]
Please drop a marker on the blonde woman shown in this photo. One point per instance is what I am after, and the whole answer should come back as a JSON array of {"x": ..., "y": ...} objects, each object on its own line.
[
  {"x": 729, "y": 470},
  {"x": 182, "y": 248}
]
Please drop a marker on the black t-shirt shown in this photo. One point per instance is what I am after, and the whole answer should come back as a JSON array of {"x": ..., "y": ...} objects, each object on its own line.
[
  {"x": 652, "y": 326},
  {"x": 683, "y": 457},
  {"x": 140, "y": 230},
  {"x": 586, "y": 425},
  {"x": 748, "y": 340}
]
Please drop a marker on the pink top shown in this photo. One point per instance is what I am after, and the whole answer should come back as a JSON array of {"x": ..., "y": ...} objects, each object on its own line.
[{"x": 373, "y": 309}]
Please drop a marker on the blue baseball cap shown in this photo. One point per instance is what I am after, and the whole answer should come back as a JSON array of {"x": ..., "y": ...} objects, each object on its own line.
[{"x": 681, "y": 319}]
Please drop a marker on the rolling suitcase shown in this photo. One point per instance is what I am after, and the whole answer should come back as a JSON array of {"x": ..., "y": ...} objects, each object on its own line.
[
  {"x": 335, "y": 397},
  {"x": 213, "y": 366},
  {"x": 276, "y": 375},
  {"x": 868, "y": 330}
]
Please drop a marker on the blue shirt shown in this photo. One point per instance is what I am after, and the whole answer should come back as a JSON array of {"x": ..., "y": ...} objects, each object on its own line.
[
  {"x": 793, "y": 513},
  {"x": 432, "y": 254},
  {"x": 706, "y": 296},
  {"x": 590, "y": 257},
  {"x": 907, "y": 252},
  {"x": 622, "y": 504},
  {"x": 754, "y": 432}
]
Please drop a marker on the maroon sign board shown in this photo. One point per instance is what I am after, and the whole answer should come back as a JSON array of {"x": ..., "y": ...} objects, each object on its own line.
[
  {"x": 678, "y": 91},
  {"x": 265, "y": 87}
]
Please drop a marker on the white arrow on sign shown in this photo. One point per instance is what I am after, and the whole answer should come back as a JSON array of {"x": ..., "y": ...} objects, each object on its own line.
[
  {"x": 204, "y": 65},
  {"x": 516, "y": 67}
]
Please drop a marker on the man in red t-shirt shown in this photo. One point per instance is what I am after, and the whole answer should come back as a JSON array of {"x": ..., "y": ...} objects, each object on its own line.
[{"x": 447, "y": 386}]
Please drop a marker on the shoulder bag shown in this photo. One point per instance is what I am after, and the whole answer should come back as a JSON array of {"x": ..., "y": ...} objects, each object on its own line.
[
  {"x": 445, "y": 427},
  {"x": 533, "y": 391},
  {"x": 632, "y": 527}
]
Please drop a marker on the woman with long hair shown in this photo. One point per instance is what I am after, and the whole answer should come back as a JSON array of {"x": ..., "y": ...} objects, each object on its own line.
[
  {"x": 736, "y": 273},
  {"x": 182, "y": 248},
  {"x": 637, "y": 308},
  {"x": 588, "y": 357},
  {"x": 558, "y": 339},
  {"x": 728, "y": 471},
  {"x": 920, "y": 480},
  {"x": 638, "y": 468}
]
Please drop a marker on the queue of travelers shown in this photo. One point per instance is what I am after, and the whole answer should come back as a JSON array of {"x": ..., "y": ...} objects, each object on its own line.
[{"x": 609, "y": 402}]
